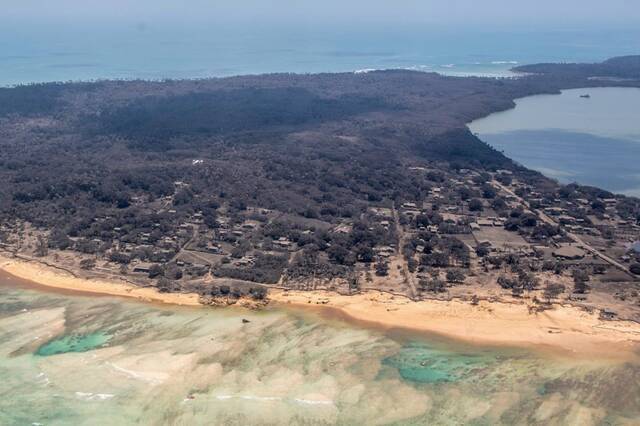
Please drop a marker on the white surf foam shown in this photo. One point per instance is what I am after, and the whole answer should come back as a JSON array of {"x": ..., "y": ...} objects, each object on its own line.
[{"x": 89, "y": 396}]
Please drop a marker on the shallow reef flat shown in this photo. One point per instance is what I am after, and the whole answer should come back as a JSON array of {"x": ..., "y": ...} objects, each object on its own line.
[{"x": 77, "y": 360}]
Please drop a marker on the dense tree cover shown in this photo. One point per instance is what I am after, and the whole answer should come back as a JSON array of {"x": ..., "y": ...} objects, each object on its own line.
[
  {"x": 117, "y": 167},
  {"x": 32, "y": 99},
  {"x": 150, "y": 119},
  {"x": 627, "y": 67},
  {"x": 266, "y": 269},
  {"x": 460, "y": 145}
]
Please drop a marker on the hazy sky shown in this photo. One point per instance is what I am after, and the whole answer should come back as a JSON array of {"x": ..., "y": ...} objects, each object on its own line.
[{"x": 557, "y": 13}]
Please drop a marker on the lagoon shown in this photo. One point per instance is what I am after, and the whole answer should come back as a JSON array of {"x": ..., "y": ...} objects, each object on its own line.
[{"x": 593, "y": 141}]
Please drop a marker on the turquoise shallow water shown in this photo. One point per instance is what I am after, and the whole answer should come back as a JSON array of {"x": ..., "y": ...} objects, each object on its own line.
[
  {"x": 74, "y": 343},
  {"x": 420, "y": 362},
  {"x": 71, "y": 360}
]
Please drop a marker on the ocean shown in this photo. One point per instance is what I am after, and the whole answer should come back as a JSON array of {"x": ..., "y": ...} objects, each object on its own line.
[
  {"x": 42, "y": 52},
  {"x": 70, "y": 359}
]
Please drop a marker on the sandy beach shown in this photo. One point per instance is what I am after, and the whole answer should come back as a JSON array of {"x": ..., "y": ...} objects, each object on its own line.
[
  {"x": 564, "y": 327},
  {"x": 45, "y": 276}
]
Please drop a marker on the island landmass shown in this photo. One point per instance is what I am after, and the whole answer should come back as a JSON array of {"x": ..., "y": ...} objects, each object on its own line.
[{"x": 363, "y": 192}]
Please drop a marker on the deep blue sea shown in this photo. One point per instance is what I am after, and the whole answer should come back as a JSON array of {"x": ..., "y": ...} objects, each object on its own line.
[{"x": 62, "y": 52}]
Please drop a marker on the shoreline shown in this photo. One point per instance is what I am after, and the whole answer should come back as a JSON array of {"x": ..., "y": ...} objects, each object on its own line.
[
  {"x": 38, "y": 275},
  {"x": 563, "y": 328}
]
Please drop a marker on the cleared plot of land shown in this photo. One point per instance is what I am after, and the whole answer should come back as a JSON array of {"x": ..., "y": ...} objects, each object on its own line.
[
  {"x": 198, "y": 257},
  {"x": 499, "y": 237}
]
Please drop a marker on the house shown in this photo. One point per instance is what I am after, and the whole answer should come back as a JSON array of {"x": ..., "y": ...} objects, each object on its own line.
[
  {"x": 412, "y": 212},
  {"x": 569, "y": 252},
  {"x": 384, "y": 251},
  {"x": 214, "y": 248},
  {"x": 555, "y": 211},
  {"x": 244, "y": 262},
  {"x": 283, "y": 242},
  {"x": 143, "y": 268},
  {"x": 566, "y": 220},
  {"x": 342, "y": 229},
  {"x": 499, "y": 221}
]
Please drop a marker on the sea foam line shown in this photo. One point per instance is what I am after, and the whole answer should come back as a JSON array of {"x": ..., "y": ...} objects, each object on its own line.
[
  {"x": 275, "y": 398},
  {"x": 88, "y": 396}
]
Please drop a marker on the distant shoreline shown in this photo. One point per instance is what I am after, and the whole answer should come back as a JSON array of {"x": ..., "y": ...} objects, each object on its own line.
[
  {"x": 564, "y": 329},
  {"x": 444, "y": 72}
]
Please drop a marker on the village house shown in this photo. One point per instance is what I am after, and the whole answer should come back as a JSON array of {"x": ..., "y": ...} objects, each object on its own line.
[
  {"x": 343, "y": 229},
  {"x": 283, "y": 242},
  {"x": 569, "y": 252},
  {"x": 384, "y": 251},
  {"x": 143, "y": 268}
]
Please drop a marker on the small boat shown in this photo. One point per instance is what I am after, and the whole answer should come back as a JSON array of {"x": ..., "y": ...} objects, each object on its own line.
[{"x": 587, "y": 96}]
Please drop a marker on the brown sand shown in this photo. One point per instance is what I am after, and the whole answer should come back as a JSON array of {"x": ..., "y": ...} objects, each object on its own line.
[
  {"x": 567, "y": 328},
  {"x": 564, "y": 327},
  {"x": 49, "y": 277}
]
